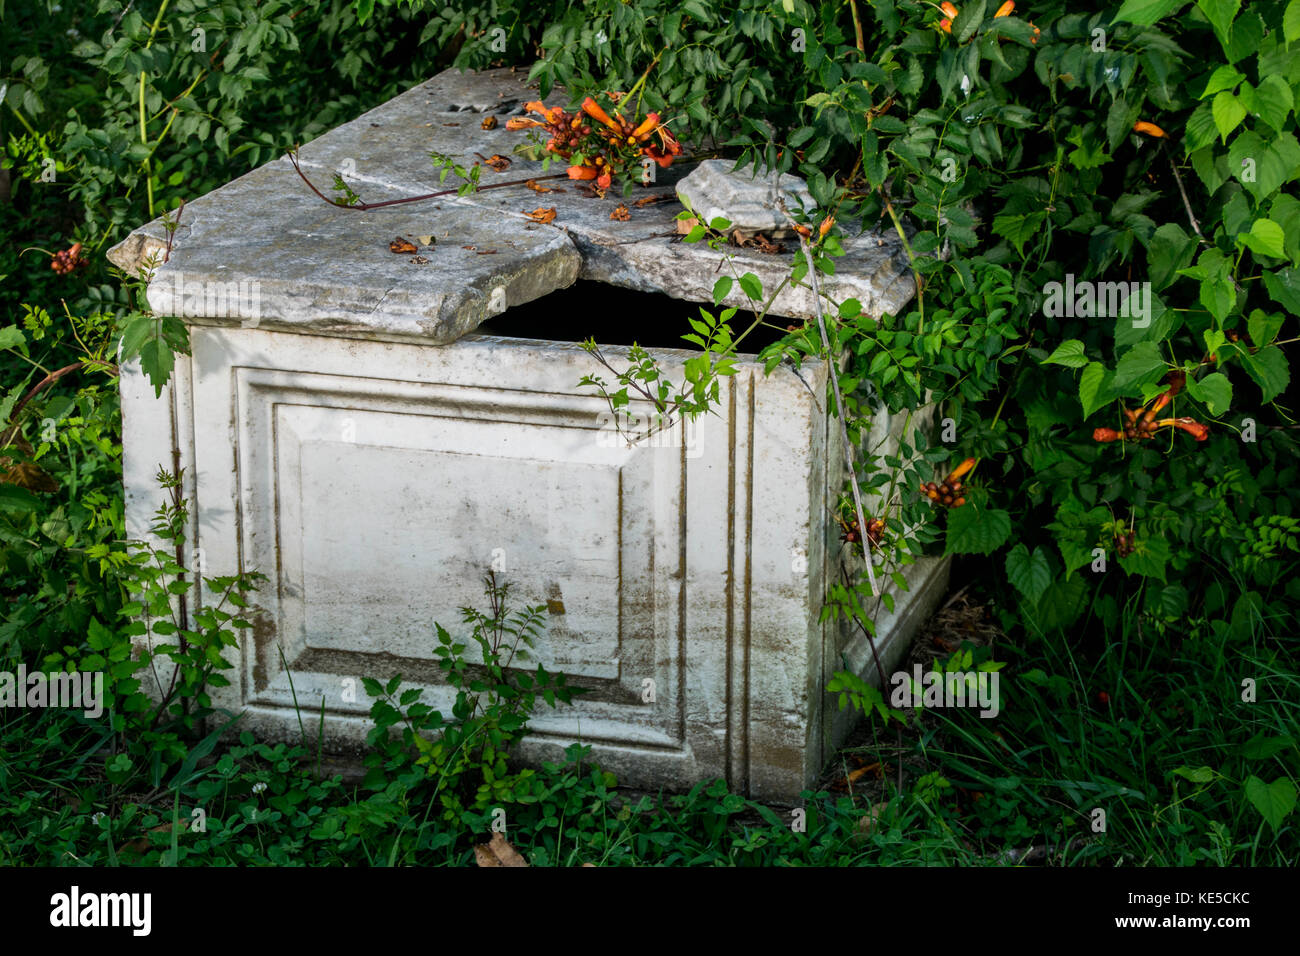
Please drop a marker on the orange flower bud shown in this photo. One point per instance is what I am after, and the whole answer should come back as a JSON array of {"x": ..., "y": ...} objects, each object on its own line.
[
  {"x": 522, "y": 122},
  {"x": 1005, "y": 10},
  {"x": 825, "y": 227},
  {"x": 1105, "y": 434},
  {"x": 945, "y": 25},
  {"x": 1160, "y": 403},
  {"x": 949, "y": 10},
  {"x": 1151, "y": 129},
  {"x": 961, "y": 469},
  {"x": 583, "y": 172}
]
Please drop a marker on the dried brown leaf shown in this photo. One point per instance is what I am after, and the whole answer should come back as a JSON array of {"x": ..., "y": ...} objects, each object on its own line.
[
  {"x": 29, "y": 475},
  {"x": 498, "y": 852}
]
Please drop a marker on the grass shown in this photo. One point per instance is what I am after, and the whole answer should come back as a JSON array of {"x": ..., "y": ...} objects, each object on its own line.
[{"x": 1020, "y": 787}]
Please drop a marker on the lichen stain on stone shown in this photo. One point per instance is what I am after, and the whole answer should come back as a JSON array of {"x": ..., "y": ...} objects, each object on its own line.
[
  {"x": 263, "y": 647},
  {"x": 554, "y": 606}
]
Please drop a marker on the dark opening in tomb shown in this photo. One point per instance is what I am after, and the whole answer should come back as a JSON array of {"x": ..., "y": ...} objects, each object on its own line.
[{"x": 613, "y": 315}]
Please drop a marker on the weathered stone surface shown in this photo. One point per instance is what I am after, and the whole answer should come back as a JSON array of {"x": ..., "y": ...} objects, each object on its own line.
[
  {"x": 376, "y": 482},
  {"x": 342, "y": 430},
  {"x": 748, "y": 201},
  {"x": 328, "y": 270}
]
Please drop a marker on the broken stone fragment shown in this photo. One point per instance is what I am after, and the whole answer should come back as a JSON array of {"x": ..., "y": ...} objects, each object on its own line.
[{"x": 748, "y": 202}]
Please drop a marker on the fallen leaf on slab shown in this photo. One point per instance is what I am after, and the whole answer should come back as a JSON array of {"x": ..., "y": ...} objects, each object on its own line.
[
  {"x": 498, "y": 162},
  {"x": 537, "y": 188},
  {"x": 541, "y": 215},
  {"x": 498, "y": 852},
  {"x": 684, "y": 226},
  {"x": 426, "y": 240},
  {"x": 620, "y": 213},
  {"x": 489, "y": 123},
  {"x": 402, "y": 246}
]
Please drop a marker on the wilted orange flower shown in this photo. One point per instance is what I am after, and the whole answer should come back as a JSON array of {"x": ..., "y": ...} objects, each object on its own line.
[{"x": 949, "y": 10}]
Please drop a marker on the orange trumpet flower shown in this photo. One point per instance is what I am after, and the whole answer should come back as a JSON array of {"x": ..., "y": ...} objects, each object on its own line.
[
  {"x": 1151, "y": 129},
  {"x": 592, "y": 109}
]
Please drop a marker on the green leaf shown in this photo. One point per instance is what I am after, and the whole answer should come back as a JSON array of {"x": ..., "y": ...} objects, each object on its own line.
[
  {"x": 1228, "y": 113},
  {"x": 1146, "y": 12},
  {"x": 1291, "y": 21},
  {"x": 1272, "y": 101},
  {"x": 976, "y": 530},
  {"x": 1265, "y": 238},
  {"x": 1170, "y": 249},
  {"x": 1069, "y": 353},
  {"x": 1018, "y": 228},
  {"x": 1261, "y": 747},
  {"x": 968, "y": 20},
  {"x": 1215, "y": 391},
  {"x": 1274, "y": 801},
  {"x": 1263, "y": 327},
  {"x": 720, "y": 289},
  {"x": 11, "y": 337},
  {"x": 1196, "y": 775},
  {"x": 1220, "y": 13},
  {"x": 20, "y": 499},
  {"x": 752, "y": 285},
  {"x": 1149, "y": 560},
  {"x": 1029, "y": 573},
  {"x": 1143, "y": 362},
  {"x": 1269, "y": 368},
  {"x": 1284, "y": 288},
  {"x": 1224, "y": 78},
  {"x": 1093, "y": 388},
  {"x": 157, "y": 361}
]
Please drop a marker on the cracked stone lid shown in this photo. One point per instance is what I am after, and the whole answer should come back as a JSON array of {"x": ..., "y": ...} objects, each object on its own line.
[{"x": 264, "y": 250}]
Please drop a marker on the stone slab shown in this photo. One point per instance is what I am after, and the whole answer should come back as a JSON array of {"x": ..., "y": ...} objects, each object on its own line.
[{"x": 301, "y": 264}]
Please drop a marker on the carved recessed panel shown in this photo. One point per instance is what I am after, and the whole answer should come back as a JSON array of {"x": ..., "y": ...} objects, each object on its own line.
[{"x": 382, "y": 505}]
